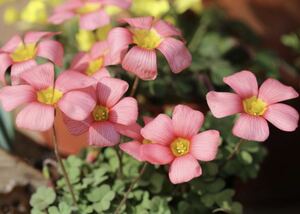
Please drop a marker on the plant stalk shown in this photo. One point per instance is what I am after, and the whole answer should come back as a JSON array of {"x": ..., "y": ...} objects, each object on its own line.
[
  {"x": 135, "y": 85},
  {"x": 236, "y": 149}
]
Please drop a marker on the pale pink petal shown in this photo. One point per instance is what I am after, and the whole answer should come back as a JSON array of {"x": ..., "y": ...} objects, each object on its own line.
[
  {"x": 34, "y": 37},
  {"x": 19, "y": 68},
  {"x": 166, "y": 29},
  {"x": 251, "y": 128},
  {"x": 92, "y": 21},
  {"x": 99, "y": 49},
  {"x": 5, "y": 62},
  {"x": 51, "y": 50},
  {"x": 156, "y": 154},
  {"x": 13, "y": 96},
  {"x": 184, "y": 169},
  {"x": 103, "y": 134},
  {"x": 36, "y": 117},
  {"x": 40, "y": 76},
  {"x": 61, "y": 17},
  {"x": 140, "y": 22},
  {"x": 222, "y": 104},
  {"x": 76, "y": 127},
  {"x": 103, "y": 72},
  {"x": 69, "y": 6},
  {"x": 110, "y": 91},
  {"x": 80, "y": 62},
  {"x": 186, "y": 121},
  {"x": 132, "y": 131},
  {"x": 77, "y": 105},
  {"x": 72, "y": 80},
  {"x": 147, "y": 119},
  {"x": 244, "y": 83},
  {"x": 133, "y": 149},
  {"x": 176, "y": 53},
  {"x": 124, "y": 112},
  {"x": 273, "y": 91},
  {"x": 159, "y": 130},
  {"x": 141, "y": 62},
  {"x": 119, "y": 3},
  {"x": 12, "y": 44},
  {"x": 204, "y": 146},
  {"x": 283, "y": 117}
]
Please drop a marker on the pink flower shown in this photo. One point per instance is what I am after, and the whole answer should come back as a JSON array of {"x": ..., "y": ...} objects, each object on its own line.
[
  {"x": 42, "y": 95},
  {"x": 147, "y": 35},
  {"x": 255, "y": 106},
  {"x": 176, "y": 142},
  {"x": 110, "y": 111},
  {"x": 21, "y": 54},
  {"x": 93, "y": 63},
  {"x": 91, "y": 13}
]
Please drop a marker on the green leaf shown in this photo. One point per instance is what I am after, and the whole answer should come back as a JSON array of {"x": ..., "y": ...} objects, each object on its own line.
[
  {"x": 36, "y": 211},
  {"x": 53, "y": 210},
  {"x": 42, "y": 198},
  {"x": 246, "y": 157}
]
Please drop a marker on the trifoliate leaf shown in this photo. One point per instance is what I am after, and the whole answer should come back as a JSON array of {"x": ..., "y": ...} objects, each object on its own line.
[{"x": 42, "y": 198}]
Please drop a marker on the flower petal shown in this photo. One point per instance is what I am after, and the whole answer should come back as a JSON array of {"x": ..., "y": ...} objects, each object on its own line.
[
  {"x": 12, "y": 44},
  {"x": 159, "y": 130},
  {"x": 184, "y": 169},
  {"x": 36, "y": 117},
  {"x": 103, "y": 134},
  {"x": 19, "y": 68},
  {"x": 133, "y": 131},
  {"x": 77, "y": 105},
  {"x": 13, "y": 96},
  {"x": 92, "y": 21},
  {"x": 5, "y": 62},
  {"x": 99, "y": 49},
  {"x": 283, "y": 117},
  {"x": 51, "y": 50},
  {"x": 177, "y": 55},
  {"x": 204, "y": 146},
  {"x": 124, "y": 112},
  {"x": 60, "y": 17},
  {"x": 223, "y": 104},
  {"x": 244, "y": 83},
  {"x": 273, "y": 91},
  {"x": 186, "y": 121},
  {"x": 36, "y": 36},
  {"x": 103, "y": 72},
  {"x": 251, "y": 128},
  {"x": 140, "y": 22},
  {"x": 110, "y": 91},
  {"x": 133, "y": 149},
  {"x": 165, "y": 29},
  {"x": 80, "y": 62},
  {"x": 156, "y": 154},
  {"x": 76, "y": 127},
  {"x": 141, "y": 62},
  {"x": 119, "y": 3}
]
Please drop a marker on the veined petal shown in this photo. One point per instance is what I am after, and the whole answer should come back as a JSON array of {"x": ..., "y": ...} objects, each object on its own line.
[
  {"x": 80, "y": 62},
  {"x": 140, "y": 22},
  {"x": 36, "y": 36},
  {"x": 124, "y": 112},
  {"x": 5, "y": 62},
  {"x": 103, "y": 134},
  {"x": 12, "y": 44},
  {"x": 156, "y": 154},
  {"x": 51, "y": 50},
  {"x": 133, "y": 149},
  {"x": 99, "y": 49},
  {"x": 103, "y": 72},
  {"x": 165, "y": 29},
  {"x": 19, "y": 68},
  {"x": 133, "y": 131},
  {"x": 76, "y": 127},
  {"x": 92, "y": 21}
]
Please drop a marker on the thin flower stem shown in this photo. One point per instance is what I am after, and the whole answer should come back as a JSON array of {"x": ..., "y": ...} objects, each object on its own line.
[
  {"x": 61, "y": 164},
  {"x": 134, "y": 86},
  {"x": 133, "y": 183},
  {"x": 236, "y": 149},
  {"x": 119, "y": 155}
]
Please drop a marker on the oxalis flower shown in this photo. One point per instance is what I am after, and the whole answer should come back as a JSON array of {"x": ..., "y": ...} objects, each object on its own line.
[
  {"x": 42, "y": 95},
  {"x": 176, "y": 142},
  {"x": 91, "y": 13},
  {"x": 110, "y": 111},
  {"x": 148, "y": 35},
  {"x": 21, "y": 54},
  {"x": 255, "y": 106}
]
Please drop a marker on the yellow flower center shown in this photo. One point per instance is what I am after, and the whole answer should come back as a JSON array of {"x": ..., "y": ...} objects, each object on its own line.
[
  {"x": 88, "y": 8},
  {"x": 148, "y": 39},
  {"x": 24, "y": 53},
  {"x": 145, "y": 141},
  {"x": 180, "y": 147},
  {"x": 254, "y": 106},
  {"x": 49, "y": 96},
  {"x": 100, "y": 113},
  {"x": 94, "y": 66}
]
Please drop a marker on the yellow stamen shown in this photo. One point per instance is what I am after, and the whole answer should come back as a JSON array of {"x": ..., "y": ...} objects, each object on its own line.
[
  {"x": 100, "y": 113},
  {"x": 94, "y": 66},
  {"x": 24, "y": 52},
  {"x": 49, "y": 96},
  {"x": 254, "y": 106},
  {"x": 88, "y": 8},
  {"x": 148, "y": 39},
  {"x": 180, "y": 147},
  {"x": 145, "y": 141}
]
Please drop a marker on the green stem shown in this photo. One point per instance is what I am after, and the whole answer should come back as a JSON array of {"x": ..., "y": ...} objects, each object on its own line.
[
  {"x": 235, "y": 150},
  {"x": 134, "y": 86},
  {"x": 119, "y": 155}
]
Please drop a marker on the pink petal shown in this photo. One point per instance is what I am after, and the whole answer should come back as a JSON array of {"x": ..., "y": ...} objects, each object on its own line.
[
  {"x": 103, "y": 72},
  {"x": 19, "y": 68},
  {"x": 251, "y": 128},
  {"x": 133, "y": 149},
  {"x": 186, "y": 121},
  {"x": 40, "y": 76},
  {"x": 60, "y": 17},
  {"x": 36, "y": 116},
  {"x": 223, "y": 104},
  {"x": 177, "y": 55},
  {"x": 244, "y": 83},
  {"x": 124, "y": 112},
  {"x": 184, "y": 169},
  {"x": 34, "y": 37},
  {"x": 69, "y": 6},
  {"x": 80, "y": 62},
  {"x": 273, "y": 91},
  {"x": 132, "y": 131},
  {"x": 204, "y": 146},
  {"x": 77, "y": 105},
  {"x": 99, "y": 49},
  {"x": 12, "y": 44},
  {"x": 110, "y": 91},
  {"x": 282, "y": 116},
  {"x": 156, "y": 154},
  {"x": 103, "y": 134},
  {"x": 72, "y": 80},
  {"x": 119, "y": 3},
  {"x": 51, "y": 50},
  {"x": 76, "y": 127},
  {"x": 94, "y": 20},
  {"x": 159, "y": 130},
  {"x": 165, "y": 29},
  {"x": 141, "y": 62},
  {"x": 13, "y": 96},
  {"x": 147, "y": 119},
  {"x": 140, "y": 22},
  {"x": 118, "y": 40},
  {"x": 5, "y": 62}
]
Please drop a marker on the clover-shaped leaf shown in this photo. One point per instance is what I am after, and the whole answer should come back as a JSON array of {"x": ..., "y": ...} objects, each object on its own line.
[{"x": 42, "y": 198}]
